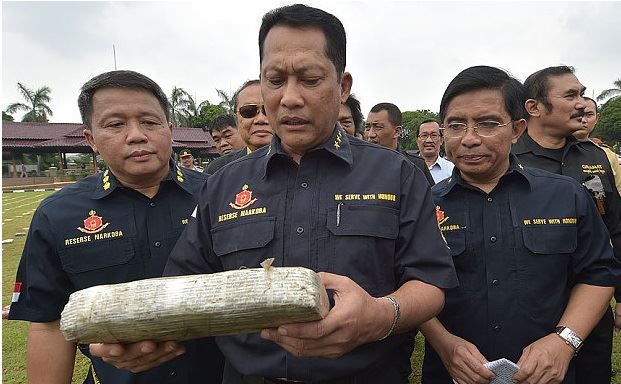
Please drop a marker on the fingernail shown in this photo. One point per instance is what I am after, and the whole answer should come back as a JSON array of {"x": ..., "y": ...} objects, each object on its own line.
[
  {"x": 115, "y": 352},
  {"x": 170, "y": 348},
  {"x": 282, "y": 331},
  {"x": 146, "y": 349}
]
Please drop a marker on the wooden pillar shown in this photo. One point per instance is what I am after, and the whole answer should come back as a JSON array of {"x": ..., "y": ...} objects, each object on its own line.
[{"x": 14, "y": 164}]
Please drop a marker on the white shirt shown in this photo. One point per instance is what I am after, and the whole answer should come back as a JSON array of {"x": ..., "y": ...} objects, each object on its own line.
[{"x": 441, "y": 169}]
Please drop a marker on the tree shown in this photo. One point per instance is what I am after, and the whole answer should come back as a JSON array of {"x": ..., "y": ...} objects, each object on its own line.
[
  {"x": 6, "y": 117},
  {"x": 608, "y": 126},
  {"x": 179, "y": 101},
  {"x": 612, "y": 92},
  {"x": 208, "y": 112},
  {"x": 37, "y": 109},
  {"x": 411, "y": 122},
  {"x": 228, "y": 101}
]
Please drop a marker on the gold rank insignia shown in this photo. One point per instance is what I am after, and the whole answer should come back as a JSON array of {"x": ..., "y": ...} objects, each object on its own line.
[
  {"x": 243, "y": 199},
  {"x": 93, "y": 223},
  {"x": 106, "y": 180},
  {"x": 440, "y": 215},
  {"x": 338, "y": 140},
  {"x": 520, "y": 166},
  {"x": 179, "y": 175}
]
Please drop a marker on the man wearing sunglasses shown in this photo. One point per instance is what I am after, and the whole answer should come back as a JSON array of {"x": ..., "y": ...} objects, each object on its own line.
[
  {"x": 252, "y": 124},
  {"x": 555, "y": 107},
  {"x": 535, "y": 266},
  {"x": 310, "y": 201}
]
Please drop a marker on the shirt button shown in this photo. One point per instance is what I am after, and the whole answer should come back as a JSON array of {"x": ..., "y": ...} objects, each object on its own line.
[
  {"x": 493, "y": 239},
  {"x": 304, "y": 185},
  {"x": 173, "y": 373},
  {"x": 495, "y": 282},
  {"x": 497, "y": 328},
  {"x": 151, "y": 204},
  {"x": 157, "y": 244},
  {"x": 490, "y": 199},
  {"x": 299, "y": 230}
]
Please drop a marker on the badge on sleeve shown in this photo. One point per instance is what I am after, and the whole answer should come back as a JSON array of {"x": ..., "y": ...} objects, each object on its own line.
[{"x": 17, "y": 289}]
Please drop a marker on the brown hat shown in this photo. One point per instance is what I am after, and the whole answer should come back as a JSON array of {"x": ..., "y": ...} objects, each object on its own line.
[{"x": 185, "y": 152}]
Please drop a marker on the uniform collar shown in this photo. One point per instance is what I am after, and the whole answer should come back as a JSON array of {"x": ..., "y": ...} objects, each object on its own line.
[
  {"x": 108, "y": 182},
  {"x": 515, "y": 169},
  {"x": 526, "y": 144},
  {"x": 337, "y": 145}
]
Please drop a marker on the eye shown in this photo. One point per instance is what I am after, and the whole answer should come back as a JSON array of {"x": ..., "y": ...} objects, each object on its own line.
[
  {"x": 114, "y": 124},
  {"x": 310, "y": 81},
  {"x": 275, "y": 81},
  {"x": 455, "y": 126},
  {"x": 488, "y": 124}
]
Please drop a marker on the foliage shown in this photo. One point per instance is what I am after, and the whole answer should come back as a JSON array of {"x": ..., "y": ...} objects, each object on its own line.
[
  {"x": 6, "y": 117},
  {"x": 612, "y": 92},
  {"x": 411, "y": 122},
  {"x": 207, "y": 114},
  {"x": 608, "y": 126},
  {"x": 179, "y": 101},
  {"x": 37, "y": 109},
  {"x": 228, "y": 101},
  {"x": 185, "y": 112}
]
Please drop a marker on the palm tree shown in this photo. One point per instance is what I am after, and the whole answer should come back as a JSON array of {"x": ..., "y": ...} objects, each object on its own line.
[
  {"x": 228, "y": 101},
  {"x": 179, "y": 102},
  {"x": 37, "y": 109},
  {"x": 611, "y": 92}
]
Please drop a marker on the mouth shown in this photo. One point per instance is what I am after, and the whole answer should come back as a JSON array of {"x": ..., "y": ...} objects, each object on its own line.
[
  {"x": 262, "y": 133},
  {"x": 471, "y": 158},
  {"x": 141, "y": 155},
  {"x": 293, "y": 122}
]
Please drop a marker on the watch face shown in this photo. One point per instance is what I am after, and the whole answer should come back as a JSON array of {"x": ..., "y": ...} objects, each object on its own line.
[{"x": 570, "y": 337}]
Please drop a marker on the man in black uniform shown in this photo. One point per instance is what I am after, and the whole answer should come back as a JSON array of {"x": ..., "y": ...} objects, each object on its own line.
[
  {"x": 555, "y": 108},
  {"x": 113, "y": 227},
  {"x": 383, "y": 127},
  {"x": 308, "y": 199},
  {"x": 533, "y": 258},
  {"x": 252, "y": 124}
]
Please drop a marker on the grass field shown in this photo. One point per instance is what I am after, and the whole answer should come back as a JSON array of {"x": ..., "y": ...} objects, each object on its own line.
[{"x": 17, "y": 210}]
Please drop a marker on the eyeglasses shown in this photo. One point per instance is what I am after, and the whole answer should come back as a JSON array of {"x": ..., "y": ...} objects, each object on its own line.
[
  {"x": 485, "y": 128},
  {"x": 434, "y": 136},
  {"x": 249, "y": 111}
]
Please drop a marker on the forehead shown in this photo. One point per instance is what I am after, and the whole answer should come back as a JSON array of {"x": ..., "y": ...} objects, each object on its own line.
[
  {"x": 380, "y": 117},
  {"x": 344, "y": 111},
  {"x": 429, "y": 127},
  {"x": 125, "y": 100},
  {"x": 295, "y": 49},
  {"x": 476, "y": 104},
  {"x": 250, "y": 95},
  {"x": 563, "y": 83},
  {"x": 590, "y": 106}
]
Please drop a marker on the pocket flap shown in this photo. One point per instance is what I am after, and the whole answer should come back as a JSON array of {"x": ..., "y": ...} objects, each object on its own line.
[
  {"x": 364, "y": 220},
  {"x": 241, "y": 235},
  {"x": 96, "y": 255}
]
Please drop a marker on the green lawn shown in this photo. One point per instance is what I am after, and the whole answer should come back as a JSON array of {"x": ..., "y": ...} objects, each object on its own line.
[{"x": 17, "y": 210}]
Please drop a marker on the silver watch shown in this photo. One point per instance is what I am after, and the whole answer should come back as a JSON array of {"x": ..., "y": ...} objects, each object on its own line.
[{"x": 569, "y": 337}]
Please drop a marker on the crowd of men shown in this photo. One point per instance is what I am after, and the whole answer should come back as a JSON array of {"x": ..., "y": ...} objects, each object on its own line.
[{"x": 507, "y": 248}]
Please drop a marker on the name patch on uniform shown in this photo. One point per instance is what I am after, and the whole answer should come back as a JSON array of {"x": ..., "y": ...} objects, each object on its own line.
[
  {"x": 242, "y": 213},
  {"x": 593, "y": 169},
  {"x": 550, "y": 221},
  {"x": 94, "y": 237},
  {"x": 365, "y": 196}
]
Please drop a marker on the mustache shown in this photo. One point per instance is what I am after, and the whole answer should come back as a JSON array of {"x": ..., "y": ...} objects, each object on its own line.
[{"x": 578, "y": 113}]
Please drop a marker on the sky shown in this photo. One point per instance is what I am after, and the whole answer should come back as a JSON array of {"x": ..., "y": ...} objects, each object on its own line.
[{"x": 403, "y": 52}]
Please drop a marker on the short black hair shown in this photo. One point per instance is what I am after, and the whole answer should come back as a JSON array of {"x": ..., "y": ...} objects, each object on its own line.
[
  {"x": 417, "y": 129},
  {"x": 592, "y": 101},
  {"x": 356, "y": 113},
  {"x": 244, "y": 86},
  {"x": 300, "y": 15},
  {"x": 394, "y": 113},
  {"x": 221, "y": 122},
  {"x": 537, "y": 85},
  {"x": 484, "y": 77},
  {"x": 118, "y": 79}
]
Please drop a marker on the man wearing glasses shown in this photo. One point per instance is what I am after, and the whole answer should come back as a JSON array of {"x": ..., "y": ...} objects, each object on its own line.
[
  {"x": 429, "y": 140},
  {"x": 252, "y": 124},
  {"x": 535, "y": 266},
  {"x": 383, "y": 127},
  {"x": 555, "y": 107}
]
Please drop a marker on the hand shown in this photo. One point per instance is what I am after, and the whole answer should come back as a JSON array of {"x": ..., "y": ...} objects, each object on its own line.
[
  {"x": 544, "y": 361},
  {"x": 137, "y": 357},
  {"x": 356, "y": 318},
  {"x": 464, "y": 362},
  {"x": 618, "y": 317}
]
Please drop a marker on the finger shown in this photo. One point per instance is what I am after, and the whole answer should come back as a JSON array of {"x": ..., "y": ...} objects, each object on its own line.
[
  {"x": 309, "y": 330},
  {"x": 303, "y": 347},
  {"x": 106, "y": 350},
  {"x": 157, "y": 362},
  {"x": 333, "y": 281},
  {"x": 146, "y": 357}
]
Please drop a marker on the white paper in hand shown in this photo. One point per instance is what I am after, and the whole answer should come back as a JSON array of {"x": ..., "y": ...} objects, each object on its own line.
[{"x": 503, "y": 369}]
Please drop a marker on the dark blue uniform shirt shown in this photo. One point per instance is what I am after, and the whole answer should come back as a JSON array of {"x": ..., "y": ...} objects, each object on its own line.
[
  {"x": 518, "y": 251},
  {"x": 97, "y": 231},
  {"x": 349, "y": 208}
]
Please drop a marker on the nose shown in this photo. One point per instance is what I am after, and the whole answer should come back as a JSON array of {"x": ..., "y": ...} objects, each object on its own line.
[
  {"x": 135, "y": 132},
  {"x": 261, "y": 118},
  {"x": 291, "y": 97},
  {"x": 471, "y": 139}
]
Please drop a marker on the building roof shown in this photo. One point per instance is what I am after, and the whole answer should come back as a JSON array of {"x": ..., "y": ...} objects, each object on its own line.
[{"x": 21, "y": 137}]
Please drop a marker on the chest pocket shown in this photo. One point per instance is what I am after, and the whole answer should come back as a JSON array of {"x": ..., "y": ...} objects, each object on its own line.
[
  {"x": 100, "y": 262},
  {"x": 550, "y": 239},
  {"x": 243, "y": 243},
  {"x": 468, "y": 263},
  {"x": 362, "y": 245}
]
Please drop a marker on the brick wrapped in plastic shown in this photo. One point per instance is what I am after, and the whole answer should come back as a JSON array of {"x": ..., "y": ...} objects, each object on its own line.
[{"x": 188, "y": 307}]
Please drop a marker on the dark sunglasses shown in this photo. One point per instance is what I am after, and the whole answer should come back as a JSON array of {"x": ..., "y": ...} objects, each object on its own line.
[{"x": 249, "y": 111}]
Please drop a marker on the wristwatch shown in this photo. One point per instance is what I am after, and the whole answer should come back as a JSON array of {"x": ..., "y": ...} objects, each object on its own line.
[{"x": 569, "y": 337}]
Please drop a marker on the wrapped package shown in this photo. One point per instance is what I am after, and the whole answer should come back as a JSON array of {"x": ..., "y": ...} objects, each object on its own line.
[{"x": 188, "y": 307}]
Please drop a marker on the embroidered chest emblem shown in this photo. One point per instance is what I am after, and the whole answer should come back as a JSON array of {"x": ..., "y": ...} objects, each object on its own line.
[
  {"x": 93, "y": 224},
  {"x": 440, "y": 215},
  {"x": 243, "y": 199}
]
